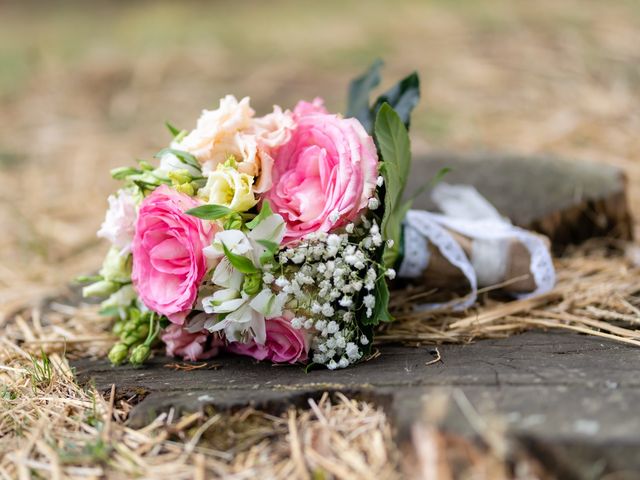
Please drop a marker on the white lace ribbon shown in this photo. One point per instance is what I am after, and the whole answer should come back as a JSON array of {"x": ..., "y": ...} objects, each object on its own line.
[{"x": 471, "y": 215}]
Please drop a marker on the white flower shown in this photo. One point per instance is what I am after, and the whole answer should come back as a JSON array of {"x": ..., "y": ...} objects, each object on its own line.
[
  {"x": 327, "y": 310},
  {"x": 349, "y": 228},
  {"x": 390, "y": 273},
  {"x": 346, "y": 302},
  {"x": 373, "y": 203},
  {"x": 120, "y": 220},
  {"x": 369, "y": 301},
  {"x": 268, "y": 278},
  {"x": 380, "y": 181},
  {"x": 390, "y": 243},
  {"x": 120, "y": 299},
  {"x": 364, "y": 340}
]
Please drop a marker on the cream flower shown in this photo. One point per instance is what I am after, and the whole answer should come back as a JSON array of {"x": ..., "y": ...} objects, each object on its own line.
[
  {"x": 228, "y": 187},
  {"x": 274, "y": 129},
  {"x": 216, "y": 127}
]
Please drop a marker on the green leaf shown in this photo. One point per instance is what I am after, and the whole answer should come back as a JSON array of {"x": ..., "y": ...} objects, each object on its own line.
[
  {"x": 121, "y": 173},
  {"x": 209, "y": 212},
  {"x": 394, "y": 228},
  {"x": 109, "y": 311},
  {"x": 265, "y": 211},
  {"x": 240, "y": 263},
  {"x": 394, "y": 145},
  {"x": 174, "y": 131},
  {"x": 272, "y": 248},
  {"x": 381, "y": 310},
  {"x": 88, "y": 278},
  {"x": 403, "y": 97},
  {"x": 269, "y": 245},
  {"x": 359, "y": 90},
  {"x": 184, "y": 157}
]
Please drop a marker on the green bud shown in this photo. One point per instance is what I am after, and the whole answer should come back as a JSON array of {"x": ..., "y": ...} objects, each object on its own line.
[
  {"x": 118, "y": 328},
  {"x": 131, "y": 339},
  {"x": 130, "y": 326},
  {"x": 186, "y": 188},
  {"x": 118, "y": 353},
  {"x": 144, "y": 165},
  {"x": 252, "y": 283},
  {"x": 103, "y": 288},
  {"x": 233, "y": 222},
  {"x": 178, "y": 177},
  {"x": 116, "y": 267},
  {"x": 140, "y": 354},
  {"x": 142, "y": 331}
]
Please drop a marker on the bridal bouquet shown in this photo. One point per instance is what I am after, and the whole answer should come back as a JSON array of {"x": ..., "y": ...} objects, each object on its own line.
[{"x": 269, "y": 236}]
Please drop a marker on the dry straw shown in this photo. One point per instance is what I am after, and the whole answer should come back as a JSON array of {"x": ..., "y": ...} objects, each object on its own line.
[{"x": 52, "y": 426}]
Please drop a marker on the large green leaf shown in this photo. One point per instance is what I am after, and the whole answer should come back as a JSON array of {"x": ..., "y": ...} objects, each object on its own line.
[
  {"x": 265, "y": 211},
  {"x": 403, "y": 97},
  {"x": 359, "y": 90},
  {"x": 209, "y": 212},
  {"x": 394, "y": 146}
]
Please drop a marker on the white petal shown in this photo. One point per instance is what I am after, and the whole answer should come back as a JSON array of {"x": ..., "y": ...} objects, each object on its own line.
[
  {"x": 226, "y": 276},
  {"x": 263, "y": 302},
  {"x": 236, "y": 241},
  {"x": 259, "y": 328},
  {"x": 271, "y": 228}
]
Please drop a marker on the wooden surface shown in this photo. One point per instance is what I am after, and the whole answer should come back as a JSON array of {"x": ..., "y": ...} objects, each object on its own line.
[
  {"x": 569, "y": 399},
  {"x": 567, "y": 201}
]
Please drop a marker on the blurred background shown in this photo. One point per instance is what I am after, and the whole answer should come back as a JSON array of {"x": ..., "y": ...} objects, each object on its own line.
[{"x": 87, "y": 86}]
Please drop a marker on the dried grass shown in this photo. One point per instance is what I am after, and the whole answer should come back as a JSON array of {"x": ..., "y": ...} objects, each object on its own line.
[{"x": 597, "y": 293}]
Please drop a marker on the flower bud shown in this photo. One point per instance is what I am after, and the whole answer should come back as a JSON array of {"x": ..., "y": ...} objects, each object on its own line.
[
  {"x": 118, "y": 328},
  {"x": 116, "y": 267},
  {"x": 118, "y": 353},
  {"x": 186, "y": 188},
  {"x": 252, "y": 283},
  {"x": 140, "y": 354},
  {"x": 233, "y": 222},
  {"x": 103, "y": 288},
  {"x": 131, "y": 339}
]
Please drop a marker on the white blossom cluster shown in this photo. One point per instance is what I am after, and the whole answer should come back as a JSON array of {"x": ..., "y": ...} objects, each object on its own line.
[{"x": 330, "y": 280}]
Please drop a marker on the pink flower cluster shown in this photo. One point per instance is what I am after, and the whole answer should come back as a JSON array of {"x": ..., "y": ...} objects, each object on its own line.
[{"x": 321, "y": 170}]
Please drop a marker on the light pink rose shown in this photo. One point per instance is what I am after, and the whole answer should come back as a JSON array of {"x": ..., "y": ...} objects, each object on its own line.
[
  {"x": 310, "y": 108},
  {"x": 324, "y": 176},
  {"x": 284, "y": 344},
  {"x": 190, "y": 346},
  {"x": 168, "y": 263}
]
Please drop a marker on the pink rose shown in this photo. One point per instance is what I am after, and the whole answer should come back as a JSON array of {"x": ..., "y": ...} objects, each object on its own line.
[
  {"x": 305, "y": 108},
  {"x": 190, "y": 346},
  {"x": 324, "y": 176},
  {"x": 168, "y": 263},
  {"x": 284, "y": 344}
]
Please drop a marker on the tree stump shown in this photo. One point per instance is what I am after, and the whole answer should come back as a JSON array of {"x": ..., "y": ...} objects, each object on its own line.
[
  {"x": 567, "y": 201},
  {"x": 571, "y": 401}
]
